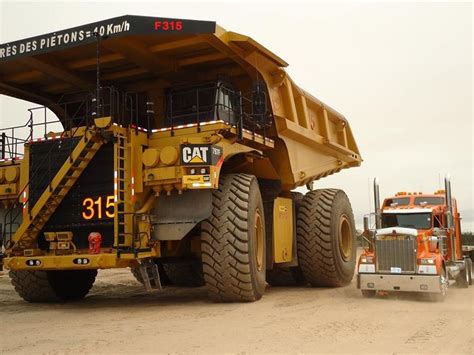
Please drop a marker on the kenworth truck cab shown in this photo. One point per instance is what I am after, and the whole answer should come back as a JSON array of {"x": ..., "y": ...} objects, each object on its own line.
[
  {"x": 171, "y": 147},
  {"x": 416, "y": 245}
]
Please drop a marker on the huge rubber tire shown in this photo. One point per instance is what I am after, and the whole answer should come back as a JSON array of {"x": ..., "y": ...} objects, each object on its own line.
[
  {"x": 165, "y": 281},
  {"x": 233, "y": 241},
  {"x": 185, "y": 274},
  {"x": 52, "y": 286},
  {"x": 326, "y": 238},
  {"x": 285, "y": 276}
]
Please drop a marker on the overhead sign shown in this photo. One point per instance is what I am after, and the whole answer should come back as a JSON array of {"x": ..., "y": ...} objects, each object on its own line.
[{"x": 112, "y": 28}]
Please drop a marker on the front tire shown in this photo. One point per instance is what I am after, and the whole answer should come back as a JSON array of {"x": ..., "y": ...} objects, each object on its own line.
[
  {"x": 326, "y": 240},
  {"x": 52, "y": 286},
  {"x": 233, "y": 241}
]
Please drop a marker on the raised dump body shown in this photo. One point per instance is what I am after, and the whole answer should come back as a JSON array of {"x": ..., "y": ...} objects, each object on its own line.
[{"x": 160, "y": 119}]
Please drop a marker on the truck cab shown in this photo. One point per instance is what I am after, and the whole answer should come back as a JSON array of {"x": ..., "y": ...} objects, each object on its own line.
[{"x": 415, "y": 247}]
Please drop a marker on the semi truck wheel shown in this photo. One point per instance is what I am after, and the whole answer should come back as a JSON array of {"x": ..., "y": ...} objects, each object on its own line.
[
  {"x": 233, "y": 241},
  {"x": 287, "y": 277},
  {"x": 185, "y": 274},
  {"x": 325, "y": 234},
  {"x": 52, "y": 286}
]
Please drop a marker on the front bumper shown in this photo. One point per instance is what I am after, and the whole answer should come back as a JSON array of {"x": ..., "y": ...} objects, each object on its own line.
[
  {"x": 404, "y": 283},
  {"x": 72, "y": 262}
]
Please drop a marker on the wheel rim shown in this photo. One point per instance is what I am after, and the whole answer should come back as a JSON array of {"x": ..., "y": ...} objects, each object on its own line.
[
  {"x": 259, "y": 240},
  {"x": 345, "y": 238}
]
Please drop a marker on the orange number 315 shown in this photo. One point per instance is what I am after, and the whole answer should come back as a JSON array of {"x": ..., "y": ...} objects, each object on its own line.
[{"x": 93, "y": 209}]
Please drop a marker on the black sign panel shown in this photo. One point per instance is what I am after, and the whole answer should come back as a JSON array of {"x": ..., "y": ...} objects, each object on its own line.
[
  {"x": 112, "y": 28},
  {"x": 200, "y": 154},
  {"x": 88, "y": 206}
]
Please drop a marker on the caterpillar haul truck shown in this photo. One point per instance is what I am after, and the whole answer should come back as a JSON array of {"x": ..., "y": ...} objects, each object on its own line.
[
  {"x": 178, "y": 148},
  {"x": 416, "y": 246}
]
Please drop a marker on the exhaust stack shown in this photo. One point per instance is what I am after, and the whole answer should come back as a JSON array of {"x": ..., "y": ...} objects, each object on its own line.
[
  {"x": 449, "y": 215},
  {"x": 378, "y": 212}
]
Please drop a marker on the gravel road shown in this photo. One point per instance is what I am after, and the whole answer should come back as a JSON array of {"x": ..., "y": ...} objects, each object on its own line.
[{"x": 120, "y": 317}]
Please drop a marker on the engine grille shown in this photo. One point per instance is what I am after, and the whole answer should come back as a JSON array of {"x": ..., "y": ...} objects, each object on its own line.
[{"x": 398, "y": 251}]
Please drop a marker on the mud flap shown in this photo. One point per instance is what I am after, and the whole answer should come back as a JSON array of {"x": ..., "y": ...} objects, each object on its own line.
[{"x": 176, "y": 215}]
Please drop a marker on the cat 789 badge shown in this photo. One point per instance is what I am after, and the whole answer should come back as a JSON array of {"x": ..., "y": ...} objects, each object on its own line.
[{"x": 200, "y": 154}]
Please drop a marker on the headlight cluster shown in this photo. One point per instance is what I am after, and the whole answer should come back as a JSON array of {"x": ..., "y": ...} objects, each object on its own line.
[
  {"x": 367, "y": 260},
  {"x": 200, "y": 171},
  {"x": 427, "y": 261}
]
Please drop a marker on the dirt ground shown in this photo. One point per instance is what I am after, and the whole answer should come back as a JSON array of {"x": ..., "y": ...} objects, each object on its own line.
[{"x": 120, "y": 317}]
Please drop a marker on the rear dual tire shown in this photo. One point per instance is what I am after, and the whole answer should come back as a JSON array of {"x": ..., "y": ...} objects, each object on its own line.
[{"x": 325, "y": 234}]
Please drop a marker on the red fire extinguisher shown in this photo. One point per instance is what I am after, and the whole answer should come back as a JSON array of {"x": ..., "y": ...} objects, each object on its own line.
[{"x": 95, "y": 239}]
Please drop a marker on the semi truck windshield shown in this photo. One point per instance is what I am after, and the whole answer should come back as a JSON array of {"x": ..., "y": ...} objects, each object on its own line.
[{"x": 408, "y": 220}]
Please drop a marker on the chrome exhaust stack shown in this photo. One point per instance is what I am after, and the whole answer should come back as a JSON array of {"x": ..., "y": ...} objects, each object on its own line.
[
  {"x": 378, "y": 212},
  {"x": 367, "y": 234},
  {"x": 449, "y": 215}
]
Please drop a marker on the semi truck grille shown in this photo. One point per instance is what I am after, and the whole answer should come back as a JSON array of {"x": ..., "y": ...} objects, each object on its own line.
[{"x": 396, "y": 254}]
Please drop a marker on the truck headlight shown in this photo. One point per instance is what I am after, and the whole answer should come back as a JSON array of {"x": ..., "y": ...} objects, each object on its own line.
[
  {"x": 367, "y": 260},
  {"x": 427, "y": 261}
]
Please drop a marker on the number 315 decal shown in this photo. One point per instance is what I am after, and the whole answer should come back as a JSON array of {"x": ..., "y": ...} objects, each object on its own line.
[{"x": 98, "y": 208}]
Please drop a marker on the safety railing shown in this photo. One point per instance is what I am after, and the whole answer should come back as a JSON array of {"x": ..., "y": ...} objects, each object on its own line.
[
  {"x": 74, "y": 115},
  {"x": 211, "y": 102}
]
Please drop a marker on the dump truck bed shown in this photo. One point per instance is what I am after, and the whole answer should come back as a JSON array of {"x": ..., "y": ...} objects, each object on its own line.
[{"x": 136, "y": 53}]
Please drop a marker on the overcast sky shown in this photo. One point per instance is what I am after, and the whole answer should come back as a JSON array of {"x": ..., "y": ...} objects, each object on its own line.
[{"x": 401, "y": 73}]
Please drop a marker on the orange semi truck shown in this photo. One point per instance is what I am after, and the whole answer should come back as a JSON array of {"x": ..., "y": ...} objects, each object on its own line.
[{"x": 416, "y": 246}]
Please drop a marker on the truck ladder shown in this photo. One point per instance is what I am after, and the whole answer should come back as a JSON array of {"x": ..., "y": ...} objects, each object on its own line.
[
  {"x": 63, "y": 181},
  {"x": 120, "y": 232}
]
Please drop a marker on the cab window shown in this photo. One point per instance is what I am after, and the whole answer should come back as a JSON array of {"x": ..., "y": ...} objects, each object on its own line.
[{"x": 400, "y": 201}]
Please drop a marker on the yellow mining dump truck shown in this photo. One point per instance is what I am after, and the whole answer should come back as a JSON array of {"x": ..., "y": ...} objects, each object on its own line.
[{"x": 178, "y": 146}]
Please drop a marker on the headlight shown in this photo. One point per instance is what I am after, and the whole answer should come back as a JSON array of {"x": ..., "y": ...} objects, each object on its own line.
[
  {"x": 427, "y": 261},
  {"x": 367, "y": 260}
]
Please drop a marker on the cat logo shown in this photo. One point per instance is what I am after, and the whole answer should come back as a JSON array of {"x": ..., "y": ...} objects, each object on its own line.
[
  {"x": 200, "y": 154},
  {"x": 197, "y": 154}
]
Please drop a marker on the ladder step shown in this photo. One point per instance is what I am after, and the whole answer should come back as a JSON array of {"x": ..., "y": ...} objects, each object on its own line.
[{"x": 62, "y": 186}]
